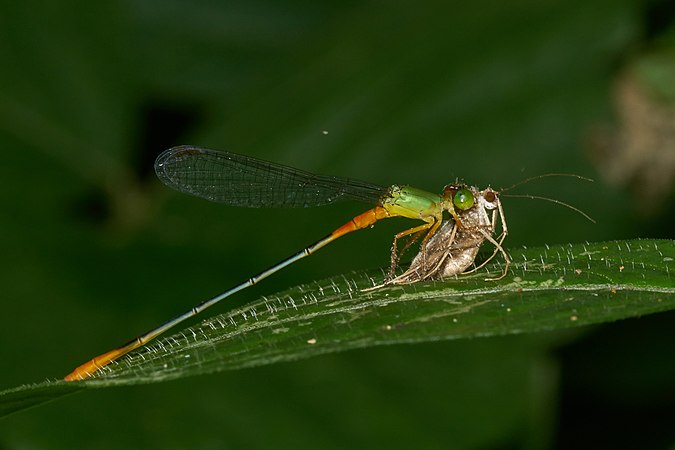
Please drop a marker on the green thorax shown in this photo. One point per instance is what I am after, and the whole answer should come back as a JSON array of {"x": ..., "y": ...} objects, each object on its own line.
[{"x": 411, "y": 202}]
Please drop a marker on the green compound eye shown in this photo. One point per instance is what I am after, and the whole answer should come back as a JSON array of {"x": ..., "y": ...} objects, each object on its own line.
[{"x": 463, "y": 199}]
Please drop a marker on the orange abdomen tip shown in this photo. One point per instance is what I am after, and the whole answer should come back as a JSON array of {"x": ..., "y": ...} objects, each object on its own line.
[{"x": 87, "y": 369}]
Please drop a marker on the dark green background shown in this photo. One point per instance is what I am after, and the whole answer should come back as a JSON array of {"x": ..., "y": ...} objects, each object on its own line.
[{"x": 95, "y": 250}]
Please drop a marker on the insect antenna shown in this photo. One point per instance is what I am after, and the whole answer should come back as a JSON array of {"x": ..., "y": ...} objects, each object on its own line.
[
  {"x": 552, "y": 200},
  {"x": 546, "y": 175}
]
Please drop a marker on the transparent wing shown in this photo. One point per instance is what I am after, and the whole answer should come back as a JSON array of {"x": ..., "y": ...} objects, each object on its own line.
[{"x": 240, "y": 180}]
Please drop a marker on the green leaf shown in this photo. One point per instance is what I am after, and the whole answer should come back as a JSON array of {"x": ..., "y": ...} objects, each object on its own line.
[{"x": 547, "y": 288}]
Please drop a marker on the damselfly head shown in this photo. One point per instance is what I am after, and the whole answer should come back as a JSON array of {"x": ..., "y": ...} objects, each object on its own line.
[{"x": 460, "y": 195}]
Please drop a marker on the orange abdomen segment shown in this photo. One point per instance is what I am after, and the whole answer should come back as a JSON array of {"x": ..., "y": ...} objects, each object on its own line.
[
  {"x": 87, "y": 369},
  {"x": 361, "y": 221}
]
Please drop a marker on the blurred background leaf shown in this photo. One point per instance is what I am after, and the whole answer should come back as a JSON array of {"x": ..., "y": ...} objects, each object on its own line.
[{"x": 417, "y": 93}]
